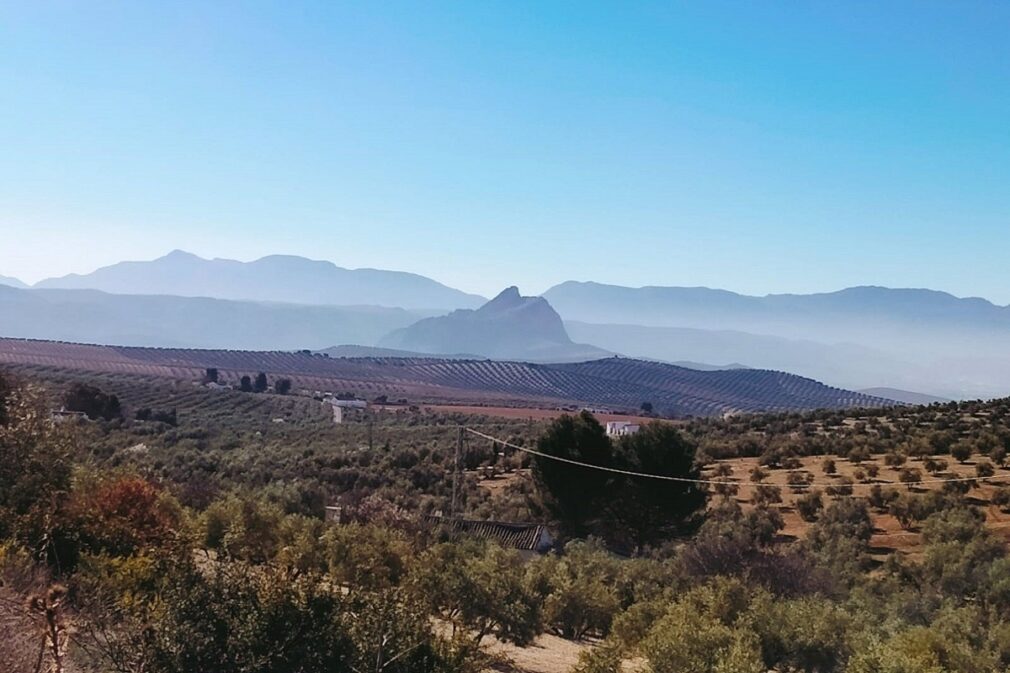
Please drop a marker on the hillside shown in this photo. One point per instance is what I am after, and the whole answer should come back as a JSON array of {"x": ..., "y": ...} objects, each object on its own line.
[
  {"x": 355, "y": 351},
  {"x": 11, "y": 282},
  {"x": 845, "y": 365},
  {"x": 616, "y": 383},
  {"x": 276, "y": 278},
  {"x": 509, "y": 326},
  {"x": 188, "y": 322},
  {"x": 905, "y": 396}
]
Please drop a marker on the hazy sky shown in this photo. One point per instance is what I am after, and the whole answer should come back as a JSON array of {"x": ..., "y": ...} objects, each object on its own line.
[{"x": 755, "y": 146}]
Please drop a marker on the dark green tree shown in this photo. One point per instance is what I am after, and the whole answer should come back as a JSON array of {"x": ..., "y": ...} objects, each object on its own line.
[
  {"x": 245, "y": 384},
  {"x": 650, "y": 510},
  {"x": 260, "y": 384},
  {"x": 92, "y": 402},
  {"x": 571, "y": 495}
]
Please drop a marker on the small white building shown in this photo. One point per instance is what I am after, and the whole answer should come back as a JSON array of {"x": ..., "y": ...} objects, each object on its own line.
[
  {"x": 621, "y": 428},
  {"x": 345, "y": 404}
]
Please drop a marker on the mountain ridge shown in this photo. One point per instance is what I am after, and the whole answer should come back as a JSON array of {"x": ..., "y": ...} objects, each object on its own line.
[
  {"x": 10, "y": 281},
  {"x": 509, "y": 326},
  {"x": 164, "y": 320},
  {"x": 278, "y": 278}
]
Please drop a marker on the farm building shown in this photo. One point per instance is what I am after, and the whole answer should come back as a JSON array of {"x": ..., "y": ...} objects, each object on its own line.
[
  {"x": 347, "y": 404},
  {"x": 65, "y": 415},
  {"x": 620, "y": 428},
  {"x": 528, "y": 538}
]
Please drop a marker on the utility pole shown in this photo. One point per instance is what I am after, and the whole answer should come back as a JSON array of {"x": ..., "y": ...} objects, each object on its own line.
[{"x": 455, "y": 472}]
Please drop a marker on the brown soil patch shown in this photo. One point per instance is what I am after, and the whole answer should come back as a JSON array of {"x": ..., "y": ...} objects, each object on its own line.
[{"x": 889, "y": 535}]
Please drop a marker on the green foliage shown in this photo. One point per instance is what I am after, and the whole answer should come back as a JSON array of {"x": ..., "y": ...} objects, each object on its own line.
[
  {"x": 569, "y": 494},
  {"x": 480, "y": 589},
  {"x": 705, "y": 631},
  {"x": 367, "y": 557},
  {"x": 578, "y": 589},
  {"x": 961, "y": 451},
  {"x": 92, "y": 402},
  {"x": 649, "y": 511},
  {"x": 227, "y": 581},
  {"x": 840, "y": 538},
  {"x": 260, "y": 383},
  {"x": 628, "y": 511},
  {"x": 36, "y": 458},
  {"x": 958, "y": 551},
  {"x": 809, "y": 505},
  {"x": 605, "y": 658},
  {"x": 234, "y": 618}
]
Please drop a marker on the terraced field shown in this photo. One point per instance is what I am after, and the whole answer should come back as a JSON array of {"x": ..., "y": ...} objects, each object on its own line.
[{"x": 614, "y": 383}]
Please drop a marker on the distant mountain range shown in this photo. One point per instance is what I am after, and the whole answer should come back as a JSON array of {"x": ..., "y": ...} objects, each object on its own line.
[
  {"x": 189, "y": 322},
  {"x": 857, "y": 338},
  {"x": 509, "y": 326},
  {"x": 277, "y": 278},
  {"x": 11, "y": 282}
]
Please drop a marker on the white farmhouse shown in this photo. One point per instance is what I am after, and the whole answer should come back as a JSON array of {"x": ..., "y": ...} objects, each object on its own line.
[{"x": 620, "y": 428}]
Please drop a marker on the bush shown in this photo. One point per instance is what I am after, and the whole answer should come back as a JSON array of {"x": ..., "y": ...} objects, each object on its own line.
[
  {"x": 809, "y": 506},
  {"x": 894, "y": 459},
  {"x": 766, "y": 494},
  {"x": 961, "y": 451},
  {"x": 579, "y": 595},
  {"x": 799, "y": 480},
  {"x": 92, "y": 402},
  {"x": 909, "y": 476},
  {"x": 1001, "y": 497},
  {"x": 880, "y": 498},
  {"x": 984, "y": 468},
  {"x": 840, "y": 489}
]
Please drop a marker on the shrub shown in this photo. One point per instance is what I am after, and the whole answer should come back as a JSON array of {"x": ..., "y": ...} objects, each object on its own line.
[
  {"x": 809, "y": 505},
  {"x": 961, "y": 451},
  {"x": 842, "y": 488},
  {"x": 880, "y": 498},
  {"x": 766, "y": 494},
  {"x": 1001, "y": 497},
  {"x": 894, "y": 459},
  {"x": 910, "y": 475},
  {"x": 799, "y": 480}
]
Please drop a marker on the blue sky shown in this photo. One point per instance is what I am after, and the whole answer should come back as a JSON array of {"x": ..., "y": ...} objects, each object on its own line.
[{"x": 759, "y": 147}]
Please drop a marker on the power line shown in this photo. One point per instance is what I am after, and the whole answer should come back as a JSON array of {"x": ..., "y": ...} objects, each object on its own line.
[{"x": 715, "y": 482}]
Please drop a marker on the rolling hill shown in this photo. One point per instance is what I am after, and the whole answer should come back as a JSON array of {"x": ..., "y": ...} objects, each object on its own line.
[
  {"x": 277, "y": 278},
  {"x": 615, "y": 383},
  {"x": 12, "y": 282},
  {"x": 846, "y": 365},
  {"x": 509, "y": 326}
]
